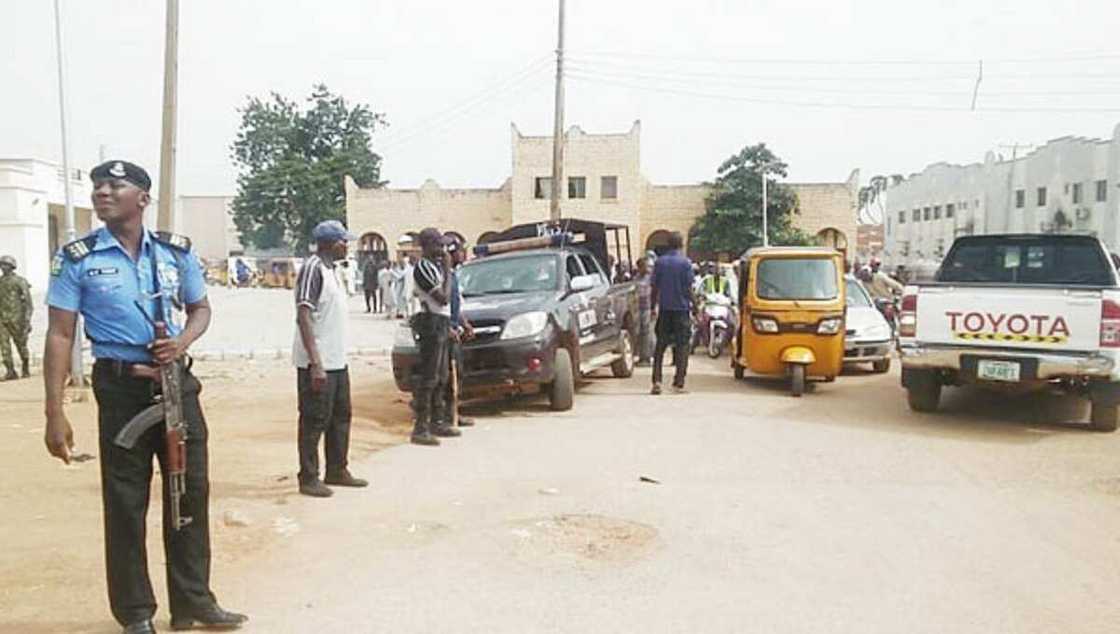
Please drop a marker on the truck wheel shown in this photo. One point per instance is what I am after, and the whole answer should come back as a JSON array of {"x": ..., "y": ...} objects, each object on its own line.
[
  {"x": 881, "y": 367},
  {"x": 1103, "y": 417},
  {"x": 797, "y": 379},
  {"x": 624, "y": 367},
  {"x": 562, "y": 391},
  {"x": 924, "y": 393}
]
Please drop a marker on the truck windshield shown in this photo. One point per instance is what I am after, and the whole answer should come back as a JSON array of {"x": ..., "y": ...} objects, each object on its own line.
[
  {"x": 1063, "y": 261},
  {"x": 797, "y": 278},
  {"x": 508, "y": 275}
]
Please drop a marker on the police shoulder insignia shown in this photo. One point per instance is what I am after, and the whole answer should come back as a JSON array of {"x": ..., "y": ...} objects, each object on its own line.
[
  {"x": 79, "y": 249},
  {"x": 174, "y": 239},
  {"x": 56, "y": 264}
]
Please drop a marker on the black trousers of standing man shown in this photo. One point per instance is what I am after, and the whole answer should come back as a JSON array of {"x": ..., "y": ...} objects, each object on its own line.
[
  {"x": 325, "y": 413},
  {"x": 126, "y": 476},
  {"x": 674, "y": 329},
  {"x": 428, "y": 395}
]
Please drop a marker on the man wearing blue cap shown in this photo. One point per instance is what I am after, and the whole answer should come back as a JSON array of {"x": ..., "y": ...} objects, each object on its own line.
[
  {"x": 124, "y": 280},
  {"x": 319, "y": 354}
]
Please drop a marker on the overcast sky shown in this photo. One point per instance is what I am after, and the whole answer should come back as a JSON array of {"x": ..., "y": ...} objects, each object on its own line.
[{"x": 880, "y": 85}]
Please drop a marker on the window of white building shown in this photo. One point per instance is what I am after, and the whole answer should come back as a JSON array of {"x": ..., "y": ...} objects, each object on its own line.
[
  {"x": 1041, "y": 196},
  {"x": 577, "y": 187},
  {"x": 950, "y": 210},
  {"x": 1076, "y": 193},
  {"x": 1020, "y": 198},
  {"x": 1102, "y": 191},
  {"x": 542, "y": 188},
  {"x": 608, "y": 187}
]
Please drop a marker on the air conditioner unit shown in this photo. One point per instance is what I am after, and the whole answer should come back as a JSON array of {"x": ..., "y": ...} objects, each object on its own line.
[{"x": 1084, "y": 213}]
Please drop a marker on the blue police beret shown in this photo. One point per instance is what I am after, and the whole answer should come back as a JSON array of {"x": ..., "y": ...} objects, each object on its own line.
[
  {"x": 331, "y": 230},
  {"x": 122, "y": 170}
]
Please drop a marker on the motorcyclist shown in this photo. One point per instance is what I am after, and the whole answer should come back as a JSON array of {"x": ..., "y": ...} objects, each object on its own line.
[
  {"x": 715, "y": 283},
  {"x": 878, "y": 283}
]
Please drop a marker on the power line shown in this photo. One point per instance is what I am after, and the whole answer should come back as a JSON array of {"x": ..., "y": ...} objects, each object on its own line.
[
  {"x": 1097, "y": 56},
  {"x": 817, "y": 104}
]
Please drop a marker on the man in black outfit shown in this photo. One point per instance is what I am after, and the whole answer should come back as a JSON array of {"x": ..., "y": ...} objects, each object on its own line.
[
  {"x": 432, "y": 327},
  {"x": 672, "y": 298}
]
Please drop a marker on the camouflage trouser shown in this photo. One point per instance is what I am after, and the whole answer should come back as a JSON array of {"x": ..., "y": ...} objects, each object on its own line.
[{"x": 13, "y": 329}]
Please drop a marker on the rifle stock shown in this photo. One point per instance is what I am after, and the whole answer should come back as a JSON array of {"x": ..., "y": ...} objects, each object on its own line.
[{"x": 175, "y": 434}]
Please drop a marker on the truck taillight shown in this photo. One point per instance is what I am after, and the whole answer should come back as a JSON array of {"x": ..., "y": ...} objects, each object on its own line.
[
  {"x": 1110, "y": 324},
  {"x": 908, "y": 316}
]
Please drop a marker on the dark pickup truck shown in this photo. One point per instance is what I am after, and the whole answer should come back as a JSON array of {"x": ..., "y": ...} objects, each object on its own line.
[{"x": 543, "y": 316}]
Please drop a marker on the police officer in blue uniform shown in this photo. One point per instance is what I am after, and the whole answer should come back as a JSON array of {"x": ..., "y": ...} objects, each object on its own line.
[{"x": 112, "y": 277}]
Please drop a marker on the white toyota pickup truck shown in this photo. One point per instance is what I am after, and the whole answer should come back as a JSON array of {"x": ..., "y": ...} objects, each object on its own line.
[{"x": 1017, "y": 312}]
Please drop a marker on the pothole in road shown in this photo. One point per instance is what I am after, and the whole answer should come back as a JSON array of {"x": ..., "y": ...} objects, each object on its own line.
[{"x": 590, "y": 538}]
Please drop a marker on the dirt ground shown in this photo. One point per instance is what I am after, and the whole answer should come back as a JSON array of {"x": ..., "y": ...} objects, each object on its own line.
[{"x": 52, "y": 564}]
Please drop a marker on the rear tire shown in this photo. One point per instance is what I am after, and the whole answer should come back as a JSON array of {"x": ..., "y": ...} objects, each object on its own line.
[
  {"x": 562, "y": 390},
  {"x": 881, "y": 367},
  {"x": 623, "y": 368},
  {"x": 924, "y": 393},
  {"x": 1103, "y": 417},
  {"x": 797, "y": 379}
]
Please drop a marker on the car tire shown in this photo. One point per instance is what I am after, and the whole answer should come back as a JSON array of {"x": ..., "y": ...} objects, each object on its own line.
[
  {"x": 923, "y": 394},
  {"x": 1103, "y": 416},
  {"x": 797, "y": 379},
  {"x": 881, "y": 367},
  {"x": 623, "y": 368},
  {"x": 562, "y": 390}
]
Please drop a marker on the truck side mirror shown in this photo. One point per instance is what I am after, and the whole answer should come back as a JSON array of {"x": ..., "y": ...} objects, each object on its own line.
[{"x": 582, "y": 283}]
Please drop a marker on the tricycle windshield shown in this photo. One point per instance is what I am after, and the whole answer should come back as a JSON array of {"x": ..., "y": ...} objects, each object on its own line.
[
  {"x": 509, "y": 275},
  {"x": 797, "y": 279}
]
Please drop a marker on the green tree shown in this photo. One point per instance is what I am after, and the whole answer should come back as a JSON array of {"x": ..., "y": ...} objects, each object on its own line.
[
  {"x": 291, "y": 164},
  {"x": 732, "y": 222}
]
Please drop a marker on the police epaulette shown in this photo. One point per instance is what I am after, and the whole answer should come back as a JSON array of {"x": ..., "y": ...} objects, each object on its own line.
[
  {"x": 79, "y": 249},
  {"x": 173, "y": 239}
]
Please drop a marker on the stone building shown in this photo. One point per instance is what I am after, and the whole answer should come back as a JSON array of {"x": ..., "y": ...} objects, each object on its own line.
[
  {"x": 604, "y": 182},
  {"x": 1068, "y": 185}
]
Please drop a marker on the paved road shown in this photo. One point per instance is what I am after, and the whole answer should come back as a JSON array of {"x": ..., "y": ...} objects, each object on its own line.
[{"x": 837, "y": 512}]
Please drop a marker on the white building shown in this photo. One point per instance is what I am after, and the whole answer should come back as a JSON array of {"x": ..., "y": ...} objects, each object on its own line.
[
  {"x": 33, "y": 214},
  {"x": 1068, "y": 185}
]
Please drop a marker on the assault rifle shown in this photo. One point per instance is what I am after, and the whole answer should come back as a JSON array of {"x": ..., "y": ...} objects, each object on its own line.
[{"x": 168, "y": 408}]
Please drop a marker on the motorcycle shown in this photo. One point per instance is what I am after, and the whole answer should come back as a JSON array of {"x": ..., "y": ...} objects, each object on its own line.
[
  {"x": 713, "y": 329},
  {"x": 890, "y": 309}
]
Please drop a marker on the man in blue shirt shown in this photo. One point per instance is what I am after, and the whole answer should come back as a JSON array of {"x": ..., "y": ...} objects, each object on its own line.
[
  {"x": 672, "y": 297},
  {"x": 113, "y": 277}
]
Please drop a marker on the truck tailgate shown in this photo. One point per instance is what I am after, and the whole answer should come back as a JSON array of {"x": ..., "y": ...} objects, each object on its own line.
[{"x": 1052, "y": 319}]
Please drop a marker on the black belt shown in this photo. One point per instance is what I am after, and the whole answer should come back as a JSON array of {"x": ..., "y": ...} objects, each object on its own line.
[{"x": 134, "y": 369}]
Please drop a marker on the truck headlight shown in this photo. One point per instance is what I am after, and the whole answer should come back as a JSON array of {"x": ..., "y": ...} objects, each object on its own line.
[
  {"x": 404, "y": 338},
  {"x": 829, "y": 326},
  {"x": 765, "y": 325},
  {"x": 525, "y": 325}
]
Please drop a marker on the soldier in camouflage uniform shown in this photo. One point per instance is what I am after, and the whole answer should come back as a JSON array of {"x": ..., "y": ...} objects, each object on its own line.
[{"x": 15, "y": 317}]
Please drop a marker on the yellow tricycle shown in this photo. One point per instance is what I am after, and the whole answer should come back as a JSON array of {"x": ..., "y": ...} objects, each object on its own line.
[{"x": 791, "y": 314}]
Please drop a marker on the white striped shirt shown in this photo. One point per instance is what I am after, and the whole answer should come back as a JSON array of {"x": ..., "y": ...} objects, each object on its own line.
[
  {"x": 428, "y": 276},
  {"x": 319, "y": 289}
]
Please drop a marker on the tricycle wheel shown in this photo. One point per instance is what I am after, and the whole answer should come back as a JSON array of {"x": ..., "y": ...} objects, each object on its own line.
[
  {"x": 797, "y": 379},
  {"x": 739, "y": 370},
  {"x": 881, "y": 367},
  {"x": 1103, "y": 417},
  {"x": 561, "y": 393}
]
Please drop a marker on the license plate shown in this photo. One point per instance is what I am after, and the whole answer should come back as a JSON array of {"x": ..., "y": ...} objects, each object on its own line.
[{"x": 998, "y": 371}]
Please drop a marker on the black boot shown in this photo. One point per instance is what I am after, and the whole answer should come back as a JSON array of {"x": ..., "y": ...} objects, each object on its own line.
[
  {"x": 26, "y": 368},
  {"x": 11, "y": 373},
  {"x": 211, "y": 617},
  {"x": 421, "y": 434}
]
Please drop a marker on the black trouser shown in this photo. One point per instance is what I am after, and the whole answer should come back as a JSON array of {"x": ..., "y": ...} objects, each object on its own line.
[
  {"x": 454, "y": 355},
  {"x": 323, "y": 413},
  {"x": 674, "y": 328},
  {"x": 428, "y": 394},
  {"x": 373, "y": 298},
  {"x": 126, "y": 476}
]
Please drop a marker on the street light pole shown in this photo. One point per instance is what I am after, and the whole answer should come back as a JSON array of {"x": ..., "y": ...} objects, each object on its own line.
[
  {"x": 165, "y": 216},
  {"x": 77, "y": 373},
  {"x": 765, "y": 223}
]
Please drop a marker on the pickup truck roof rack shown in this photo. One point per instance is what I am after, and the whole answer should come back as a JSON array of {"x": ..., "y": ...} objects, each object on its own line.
[{"x": 589, "y": 234}]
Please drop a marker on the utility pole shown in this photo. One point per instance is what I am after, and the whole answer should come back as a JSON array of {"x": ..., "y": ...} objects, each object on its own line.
[
  {"x": 164, "y": 219},
  {"x": 77, "y": 372},
  {"x": 558, "y": 125},
  {"x": 765, "y": 223}
]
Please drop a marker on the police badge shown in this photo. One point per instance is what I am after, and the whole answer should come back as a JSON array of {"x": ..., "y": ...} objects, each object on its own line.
[
  {"x": 56, "y": 264},
  {"x": 118, "y": 170}
]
